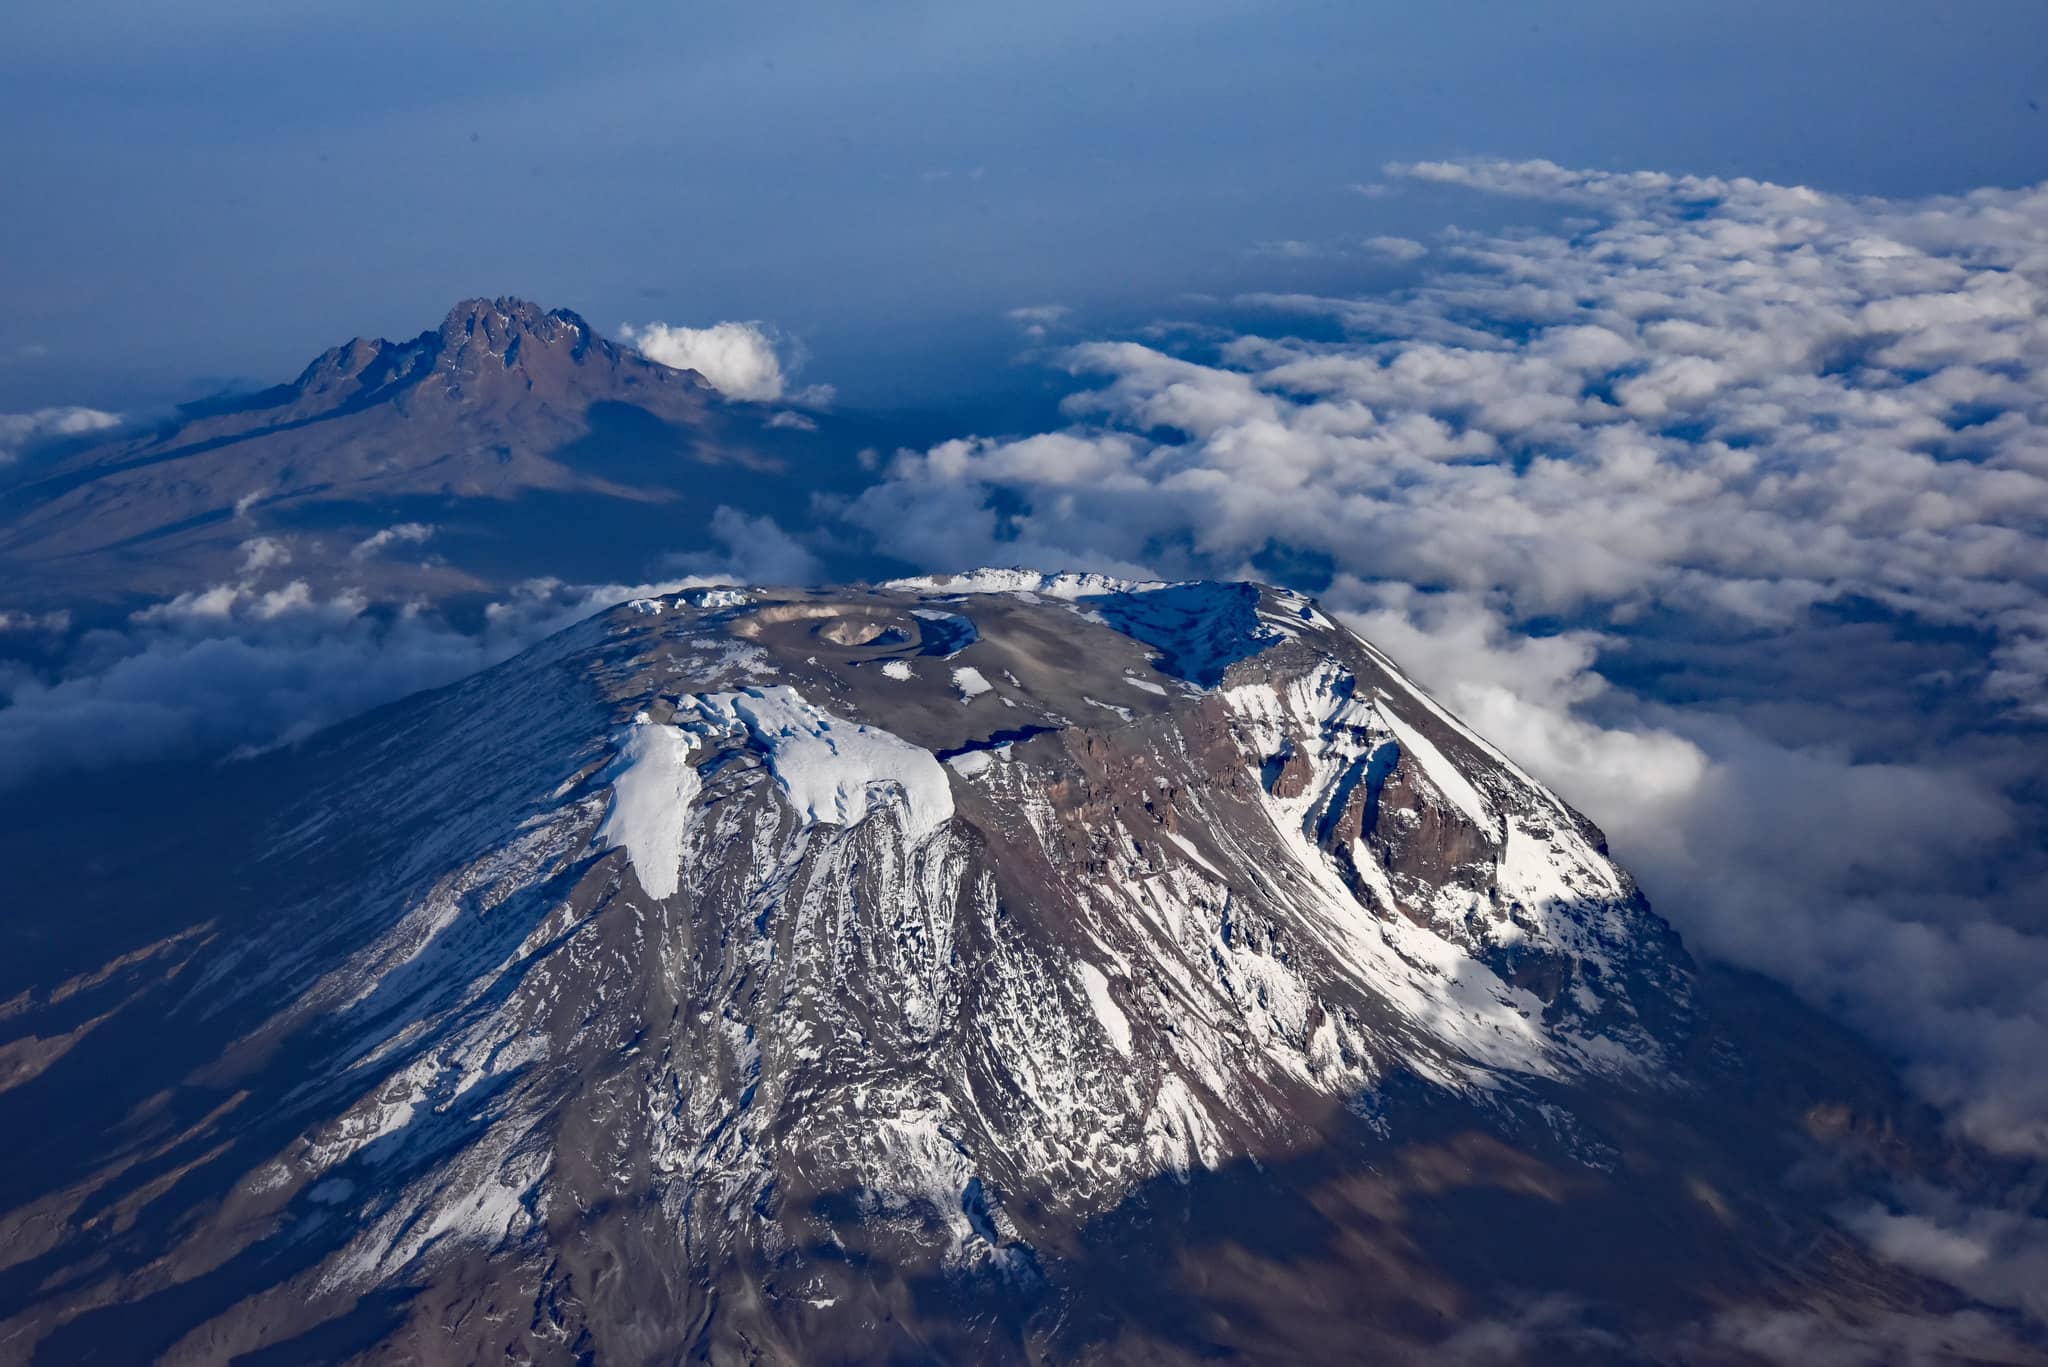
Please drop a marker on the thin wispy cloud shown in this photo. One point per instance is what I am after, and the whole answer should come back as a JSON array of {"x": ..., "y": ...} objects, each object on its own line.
[
  {"x": 1396, "y": 249},
  {"x": 21, "y": 430},
  {"x": 398, "y": 534},
  {"x": 1038, "y": 320}
]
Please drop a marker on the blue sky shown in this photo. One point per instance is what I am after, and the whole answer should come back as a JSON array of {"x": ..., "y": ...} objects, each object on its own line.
[{"x": 222, "y": 188}]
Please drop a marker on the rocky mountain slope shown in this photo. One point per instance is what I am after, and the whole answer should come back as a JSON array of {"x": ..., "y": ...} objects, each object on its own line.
[
  {"x": 493, "y": 428},
  {"x": 1004, "y": 968}
]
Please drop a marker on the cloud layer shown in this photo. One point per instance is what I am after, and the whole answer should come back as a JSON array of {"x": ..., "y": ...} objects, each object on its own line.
[
  {"x": 1722, "y": 397},
  {"x": 251, "y": 664},
  {"x": 267, "y": 659}
]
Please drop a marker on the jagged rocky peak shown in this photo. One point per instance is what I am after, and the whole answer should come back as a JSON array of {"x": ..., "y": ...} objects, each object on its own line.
[
  {"x": 362, "y": 363},
  {"x": 501, "y": 399},
  {"x": 491, "y": 345},
  {"x": 483, "y": 348},
  {"x": 500, "y": 328},
  {"x": 1004, "y": 967}
]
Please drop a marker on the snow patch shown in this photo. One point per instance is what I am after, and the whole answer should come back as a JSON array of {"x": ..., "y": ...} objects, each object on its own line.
[
  {"x": 918, "y": 1167},
  {"x": 652, "y": 789},
  {"x": 971, "y": 763},
  {"x": 970, "y": 682},
  {"x": 1065, "y": 587},
  {"x": 834, "y": 770},
  {"x": 1115, "y": 1023},
  {"x": 1124, "y": 712}
]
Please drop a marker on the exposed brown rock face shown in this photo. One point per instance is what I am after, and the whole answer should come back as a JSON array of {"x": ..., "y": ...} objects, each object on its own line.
[
  {"x": 485, "y": 350},
  {"x": 1292, "y": 780},
  {"x": 1418, "y": 833},
  {"x": 1041, "y": 1021}
]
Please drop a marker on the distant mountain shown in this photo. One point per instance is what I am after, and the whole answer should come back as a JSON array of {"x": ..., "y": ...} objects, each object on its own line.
[
  {"x": 995, "y": 969},
  {"x": 508, "y": 423}
]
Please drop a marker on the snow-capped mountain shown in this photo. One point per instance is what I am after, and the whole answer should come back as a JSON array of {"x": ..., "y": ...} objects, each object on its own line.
[{"x": 1004, "y": 967}]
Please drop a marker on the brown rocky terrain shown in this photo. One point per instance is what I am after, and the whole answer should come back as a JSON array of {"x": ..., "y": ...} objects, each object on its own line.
[
  {"x": 509, "y": 428},
  {"x": 1006, "y": 968}
]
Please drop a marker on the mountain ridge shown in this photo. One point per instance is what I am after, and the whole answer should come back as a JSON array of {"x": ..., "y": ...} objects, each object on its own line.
[
  {"x": 475, "y": 332},
  {"x": 502, "y": 410}
]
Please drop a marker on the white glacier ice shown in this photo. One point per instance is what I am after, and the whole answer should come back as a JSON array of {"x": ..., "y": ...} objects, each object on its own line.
[
  {"x": 652, "y": 789},
  {"x": 970, "y": 682},
  {"x": 834, "y": 770},
  {"x": 1114, "y": 1022}
]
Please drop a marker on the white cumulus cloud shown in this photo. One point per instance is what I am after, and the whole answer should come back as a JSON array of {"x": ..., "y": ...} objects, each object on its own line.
[
  {"x": 739, "y": 360},
  {"x": 401, "y": 533}
]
